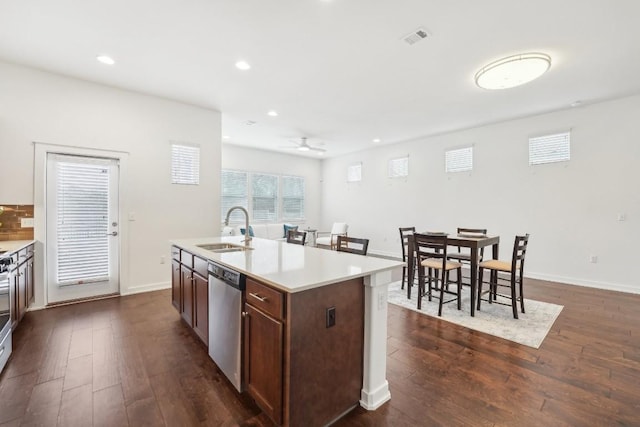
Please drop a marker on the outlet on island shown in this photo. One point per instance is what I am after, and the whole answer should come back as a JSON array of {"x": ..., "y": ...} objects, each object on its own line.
[{"x": 331, "y": 317}]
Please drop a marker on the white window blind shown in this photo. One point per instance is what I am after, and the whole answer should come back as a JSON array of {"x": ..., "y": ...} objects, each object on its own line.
[
  {"x": 185, "y": 164},
  {"x": 234, "y": 193},
  {"x": 550, "y": 148},
  {"x": 82, "y": 223},
  {"x": 354, "y": 172},
  {"x": 292, "y": 197},
  {"x": 399, "y": 167},
  {"x": 459, "y": 160},
  {"x": 264, "y": 192}
]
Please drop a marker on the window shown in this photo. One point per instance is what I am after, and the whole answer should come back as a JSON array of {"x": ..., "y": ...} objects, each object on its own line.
[
  {"x": 354, "y": 172},
  {"x": 234, "y": 193},
  {"x": 292, "y": 197},
  {"x": 399, "y": 167},
  {"x": 459, "y": 160},
  {"x": 264, "y": 192},
  {"x": 267, "y": 198},
  {"x": 185, "y": 164},
  {"x": 549, "y": 148}
]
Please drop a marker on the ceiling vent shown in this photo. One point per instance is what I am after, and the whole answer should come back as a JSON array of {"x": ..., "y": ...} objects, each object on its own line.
[{"x": 415, "y": 36}]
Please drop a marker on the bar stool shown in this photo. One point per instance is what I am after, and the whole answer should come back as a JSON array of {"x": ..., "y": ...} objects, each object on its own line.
[{"x": 405, "y": 232}]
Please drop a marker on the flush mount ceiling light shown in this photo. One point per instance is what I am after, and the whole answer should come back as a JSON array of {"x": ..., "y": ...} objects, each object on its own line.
[
  {"x": 513, "y": 71},
  {"x": 243, "y": 65},
  {"x": 272, "y": 113},
  {"x": 105, "y": 59}
]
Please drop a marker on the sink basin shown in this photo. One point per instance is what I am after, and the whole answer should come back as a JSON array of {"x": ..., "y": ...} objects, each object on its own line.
[{"x": 223, "y": 247}]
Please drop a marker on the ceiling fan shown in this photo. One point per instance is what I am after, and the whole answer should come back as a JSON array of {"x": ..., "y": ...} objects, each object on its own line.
[{"x": 303, "y": 145}]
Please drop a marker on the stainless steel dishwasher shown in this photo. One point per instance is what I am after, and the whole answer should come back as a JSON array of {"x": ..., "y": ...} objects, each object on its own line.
[{"x": 225, "y": 324}]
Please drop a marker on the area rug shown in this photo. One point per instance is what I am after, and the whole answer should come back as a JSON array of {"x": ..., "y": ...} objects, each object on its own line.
[{"x": 529, "y": 329}]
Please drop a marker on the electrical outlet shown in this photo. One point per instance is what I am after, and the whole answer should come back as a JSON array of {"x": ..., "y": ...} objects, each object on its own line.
[
  {"x": 622, "y": 217},
  {"x": 162, "y": 259},
  {"x": 26, "y": 222},
  {"x": 593, "y": 259},
  {"x": 331, "y": 317}
]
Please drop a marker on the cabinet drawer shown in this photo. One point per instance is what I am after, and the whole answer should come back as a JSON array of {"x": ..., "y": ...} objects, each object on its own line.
[
  {"x": 265, "y": 298},
  {"x": 186, "y": 258},
  {"x": 200, "y": 266},
  {"x": 175, "y": 253}
]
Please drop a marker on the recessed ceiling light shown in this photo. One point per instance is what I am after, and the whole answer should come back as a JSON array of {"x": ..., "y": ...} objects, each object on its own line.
[
  {"x": 225, "y": 137},
  {"x": 105, "y": 59},
  {"x": 243, "y": 65},
  {"x": 576, "y": 103},
  {"x": 272, "y": 113},
  {"x": 376, "y": 140},
  {"x": 513, "y": 71}
]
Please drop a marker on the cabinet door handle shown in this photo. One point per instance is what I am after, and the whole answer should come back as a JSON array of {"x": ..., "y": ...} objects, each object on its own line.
[
  {"x": 1, "y": 351},
  {"x": 258, "y": 297},
  {"x": 245, "y": 314}
]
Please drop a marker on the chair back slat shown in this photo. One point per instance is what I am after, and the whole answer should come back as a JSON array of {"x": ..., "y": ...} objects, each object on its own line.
[
  {"x": 352, "y": 245},
  {"x": 430, "y": 246},
  {"x": 519, "y": 252},
  {"x": 296, "y": 237},
  {"x": 405, "y": 232}
]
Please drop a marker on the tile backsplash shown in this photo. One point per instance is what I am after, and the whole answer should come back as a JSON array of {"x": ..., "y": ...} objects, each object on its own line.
[{"x": 12, "y": 219}]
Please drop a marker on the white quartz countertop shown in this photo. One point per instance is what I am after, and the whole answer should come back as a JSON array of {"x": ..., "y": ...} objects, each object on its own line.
[
  {"x": 286, "y": 266},
  {"x": 11, "y": 246}
]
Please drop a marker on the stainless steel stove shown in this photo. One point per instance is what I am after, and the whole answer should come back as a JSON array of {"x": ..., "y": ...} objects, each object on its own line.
[{"x": 5, "y": 313}]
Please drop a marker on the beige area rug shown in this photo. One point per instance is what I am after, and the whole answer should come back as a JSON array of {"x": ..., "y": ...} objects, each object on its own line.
[{"x": 529, "y": 329}]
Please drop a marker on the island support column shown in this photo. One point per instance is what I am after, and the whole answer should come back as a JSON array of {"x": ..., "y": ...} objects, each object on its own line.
[{"x": 375, "y": 388}]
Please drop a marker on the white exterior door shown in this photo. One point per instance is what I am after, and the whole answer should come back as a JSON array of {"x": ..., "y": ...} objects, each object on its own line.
[{"x": 82, "y": 227}]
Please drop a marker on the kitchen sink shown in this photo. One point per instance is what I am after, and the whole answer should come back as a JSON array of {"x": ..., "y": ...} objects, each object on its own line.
[{"x": 223, "y": 247}]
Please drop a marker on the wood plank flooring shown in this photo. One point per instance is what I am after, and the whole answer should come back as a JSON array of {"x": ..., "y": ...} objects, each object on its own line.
[{"x": 131, "y": 361}]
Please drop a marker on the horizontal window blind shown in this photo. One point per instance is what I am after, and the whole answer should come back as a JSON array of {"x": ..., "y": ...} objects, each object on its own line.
[
  {"x": 459, "y": 160},
  {"x": 398, "y": 167},
  {"x": 82, "y": 223},
  {"x": 292, "y": 197},
  {"x": 234, "y": 193},
  {"x": 354, "y": 172},
  {"x": 185, "y": 164},
  {"x": 264, "y": 191},
  {"x": 550, "y": 148}
]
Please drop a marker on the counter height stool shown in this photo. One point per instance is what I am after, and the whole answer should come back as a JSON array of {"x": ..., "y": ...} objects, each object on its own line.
[
  {"x": 431, "y": 254},
  {"x": 514, "y": 268},
  {"x": 296, "y": 237}
]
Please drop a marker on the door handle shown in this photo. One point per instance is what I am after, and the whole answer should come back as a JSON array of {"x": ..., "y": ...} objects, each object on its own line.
[{"x": 115, "y": 233}]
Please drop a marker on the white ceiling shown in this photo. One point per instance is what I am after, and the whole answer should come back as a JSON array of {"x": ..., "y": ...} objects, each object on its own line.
[{"x": 337, "y": 71}]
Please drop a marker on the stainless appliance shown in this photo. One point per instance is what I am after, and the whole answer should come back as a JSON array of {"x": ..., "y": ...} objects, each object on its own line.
[
  {"x": 5, "y": 312},
  {"x": 225, "y": 324}
]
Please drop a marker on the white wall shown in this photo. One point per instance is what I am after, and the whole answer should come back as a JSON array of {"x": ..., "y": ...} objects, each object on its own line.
[
  {"x": 249, "y": 159},
  {"x": 48, "y": 108},
  {"x": 570, "y": 209}
]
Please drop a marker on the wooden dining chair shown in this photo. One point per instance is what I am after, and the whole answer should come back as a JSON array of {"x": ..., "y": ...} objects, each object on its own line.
[
  {"x": 352, "y": 245},
  {"x": 431, "y": 258},
  {"x": 463, "y": 255},
  {"x": 405, "y": 232},
  {"x": 514, "y": 269},
  {"x": 296, "y": 237}
]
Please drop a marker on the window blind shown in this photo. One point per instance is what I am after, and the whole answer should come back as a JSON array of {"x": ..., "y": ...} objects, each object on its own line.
[
  {"x": 550, "y": 148},
  {"x": 459, "y": 160},
  {"x": 264, "y": 192},
  {"x": 292, "y": 197},
  {"x": 82, "y": 223},
  {"x": 234, "y": 193},
  {"x": 398, "y": 167},
  {"x": 354, "y": 172},
  {"x": 185, "y": 164}
]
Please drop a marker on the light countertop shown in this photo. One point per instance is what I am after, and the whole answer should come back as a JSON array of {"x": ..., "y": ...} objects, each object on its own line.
[
  {"x": 289, "y": 267},
  {"x": 11, "y": 246}
]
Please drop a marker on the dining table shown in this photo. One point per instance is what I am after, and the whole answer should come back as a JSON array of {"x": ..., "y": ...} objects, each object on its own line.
[{"x": 475, "y": 242}]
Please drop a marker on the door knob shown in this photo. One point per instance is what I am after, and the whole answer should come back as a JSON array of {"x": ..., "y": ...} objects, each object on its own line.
[{"x": 115, "y": 233}]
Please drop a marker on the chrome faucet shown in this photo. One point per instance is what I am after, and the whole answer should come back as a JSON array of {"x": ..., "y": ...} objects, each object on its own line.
[{"x": 247, "y": 236}]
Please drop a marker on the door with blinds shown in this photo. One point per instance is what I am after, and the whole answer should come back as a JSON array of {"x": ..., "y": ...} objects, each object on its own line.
[{"x": 82, "y": 227}]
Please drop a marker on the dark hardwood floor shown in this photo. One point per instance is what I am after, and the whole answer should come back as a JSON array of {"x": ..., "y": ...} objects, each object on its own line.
[{"x": 131, "y": 361}]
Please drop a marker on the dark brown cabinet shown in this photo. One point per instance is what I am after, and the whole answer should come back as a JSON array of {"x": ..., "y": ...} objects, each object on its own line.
[
  {"x": 264, "y": 346},
  {"x": 21, "y": 283},
  {"x": 300, "y": 371},
  {"x": 190, "y": 290}
]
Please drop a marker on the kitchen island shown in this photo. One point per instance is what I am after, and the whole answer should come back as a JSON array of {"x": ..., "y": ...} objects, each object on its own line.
[{"x": 326, "y": 319}]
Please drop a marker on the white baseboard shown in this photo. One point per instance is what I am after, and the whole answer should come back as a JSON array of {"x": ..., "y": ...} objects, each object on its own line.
[
  {"x": 619, "y": 287},
  {"x": 146, "y": 288}
]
